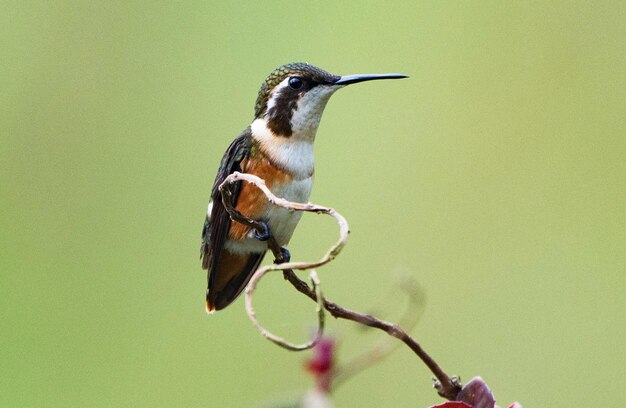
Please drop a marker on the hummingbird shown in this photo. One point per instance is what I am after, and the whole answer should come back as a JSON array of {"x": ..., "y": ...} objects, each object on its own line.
[{"x": 278, "y": 148}]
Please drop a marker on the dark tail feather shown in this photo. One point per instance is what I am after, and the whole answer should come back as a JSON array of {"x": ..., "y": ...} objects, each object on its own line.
[{"x": 229, "y": 278}]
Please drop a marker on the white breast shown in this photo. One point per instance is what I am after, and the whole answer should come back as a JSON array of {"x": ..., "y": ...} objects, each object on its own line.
[
  {"x": 282, "y": 222},
  {"x": 293, "y": 154}
]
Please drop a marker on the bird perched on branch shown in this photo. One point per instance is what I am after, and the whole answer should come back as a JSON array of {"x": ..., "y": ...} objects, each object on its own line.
[{"x": 277, "y": 147}]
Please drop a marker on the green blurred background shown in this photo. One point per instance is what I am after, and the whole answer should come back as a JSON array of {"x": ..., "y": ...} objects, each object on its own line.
[{"x": 495, "y": 176}]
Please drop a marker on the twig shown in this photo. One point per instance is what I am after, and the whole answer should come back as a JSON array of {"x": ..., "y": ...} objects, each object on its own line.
[
  {"x": 271, "y": 336},
  {"x": 447, "y": 387},
  {"x": 280, "y": 264}
]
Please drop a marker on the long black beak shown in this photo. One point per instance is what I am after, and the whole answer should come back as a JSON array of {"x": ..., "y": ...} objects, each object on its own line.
[{"x": 353, "y": 79}]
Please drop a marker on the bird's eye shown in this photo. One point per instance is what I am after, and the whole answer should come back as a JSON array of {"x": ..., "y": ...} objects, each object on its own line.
[{"x": 295, "y": 83}]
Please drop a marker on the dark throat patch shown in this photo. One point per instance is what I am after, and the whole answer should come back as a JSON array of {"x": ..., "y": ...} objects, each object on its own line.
[{"x": 279, "y": 116}]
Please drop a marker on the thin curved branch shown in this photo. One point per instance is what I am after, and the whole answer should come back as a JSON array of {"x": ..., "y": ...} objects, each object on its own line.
[
  {"x": 277, "y": 339},
  {"x": 280, "y": 265},
  {"x": 332, "y": 253},
  {"x": 447, "y": 387}
]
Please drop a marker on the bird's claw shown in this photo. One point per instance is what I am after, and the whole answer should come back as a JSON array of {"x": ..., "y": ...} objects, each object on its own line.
[
  {"x": 265, "y": 234},
  {"x": 285, "y": 256}
]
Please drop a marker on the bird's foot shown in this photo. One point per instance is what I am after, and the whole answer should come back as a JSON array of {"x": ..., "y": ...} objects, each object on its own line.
[
  {"x": 265, "y": 234},
  {"x": 285, "y": 256}
]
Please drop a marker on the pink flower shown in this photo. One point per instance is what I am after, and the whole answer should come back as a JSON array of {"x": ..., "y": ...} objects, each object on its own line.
[{"x": 321, "y": 365}]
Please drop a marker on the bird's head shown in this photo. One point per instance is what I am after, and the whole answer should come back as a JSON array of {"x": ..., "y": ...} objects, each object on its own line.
[{"x": 293, "y": 97}]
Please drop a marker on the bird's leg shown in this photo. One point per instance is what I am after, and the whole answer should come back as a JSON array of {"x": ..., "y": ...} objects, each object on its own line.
[{"x": 265, "y": 234}]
